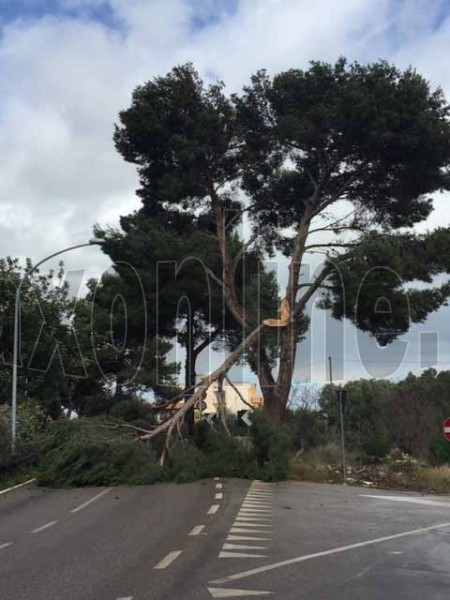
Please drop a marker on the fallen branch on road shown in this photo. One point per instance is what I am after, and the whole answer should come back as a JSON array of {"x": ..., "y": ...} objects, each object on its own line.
[{"x": 200, "y": 393}]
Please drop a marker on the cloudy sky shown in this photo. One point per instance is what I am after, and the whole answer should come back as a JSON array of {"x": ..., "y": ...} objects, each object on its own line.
[{"x": 68, "y": 66}]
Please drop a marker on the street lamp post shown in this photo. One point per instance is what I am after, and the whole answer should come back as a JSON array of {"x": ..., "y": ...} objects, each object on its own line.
[{"x": 17, "y": 336}]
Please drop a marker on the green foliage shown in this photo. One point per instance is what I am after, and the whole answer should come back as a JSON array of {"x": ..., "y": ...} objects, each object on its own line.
[
  {"x": 30, "y": 423},
  {"x": 46, "y": 312},
  {"x": 89, "y": 452},
  {"x": 95, "y": 452},
  {"x": 133, "y": 409},
  {"x": 367, "y": 283},
  {"x": 439, "y": 450},
  {"x": 284, "y": 151},
  {"x": 273, "y": 446},
  {"x": 365, "y": 415}
]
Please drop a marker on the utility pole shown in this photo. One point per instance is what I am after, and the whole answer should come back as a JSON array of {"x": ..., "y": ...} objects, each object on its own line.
[
  {"x": 340, "y": 394},
  {"x": 331, "y": 388}
]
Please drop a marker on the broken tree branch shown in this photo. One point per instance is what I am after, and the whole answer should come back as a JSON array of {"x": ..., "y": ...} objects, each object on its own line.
[{"x": 201, "y": 390}]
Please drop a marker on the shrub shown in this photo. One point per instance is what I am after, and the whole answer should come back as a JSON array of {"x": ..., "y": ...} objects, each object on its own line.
[
  {"x": 376, "y": 443},
  {"x": 273, "y": 447},
  {"x": 439, "y": 451},
  {"x": 87, "y": 452},
  {"x": 30, "y": 423},
  {"x": 435, "y": 479},
  {"x": 133, "y": 410}
]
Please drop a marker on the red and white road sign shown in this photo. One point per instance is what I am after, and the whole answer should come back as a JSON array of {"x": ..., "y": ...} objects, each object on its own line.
[{"x": 446, "y": 429}]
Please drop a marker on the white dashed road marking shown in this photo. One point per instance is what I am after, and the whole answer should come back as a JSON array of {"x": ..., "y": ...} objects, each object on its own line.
[
  {"x": 5, "y": 545},
  {"x": 214, "y": 508},
  {"x": 237, "y": 538},
  {"x": 240, "y": 555},
  {"x": 90, "y": 501},
  {"x": 224, "y": 593},
  {"x": 42, "y": 527},
  {"x": 219, "y": 486},
  {"x": 245, "y": 524},
  {"x": 218, "y": 496},
  {"x": 246, "y": 530},
  {"x": 227, "y": 546},
  {"x": 197, "y": 530},
  {"x": 168, "y": 560},
  {"x": 252, "y": 524}
]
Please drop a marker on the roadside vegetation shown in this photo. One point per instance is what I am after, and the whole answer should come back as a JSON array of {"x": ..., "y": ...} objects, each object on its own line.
[
  {"x": 383, "y": 449},
  {"x": 340, "y": 160}
]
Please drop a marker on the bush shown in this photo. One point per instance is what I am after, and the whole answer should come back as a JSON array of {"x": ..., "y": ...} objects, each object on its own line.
[
  {"x": 88, "y": 452},
  {"x": 133, "y": 410},
  {"x": 96, "y": 452},
  {"x": 432, "y": 479},
  {"x": 439, "y": 450},
  {"x": 376, "y": 443},
  {"x": 273, "y": 447}
]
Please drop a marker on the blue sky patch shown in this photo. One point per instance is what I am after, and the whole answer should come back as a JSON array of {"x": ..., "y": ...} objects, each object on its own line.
[{"x": 11, "y": 10}]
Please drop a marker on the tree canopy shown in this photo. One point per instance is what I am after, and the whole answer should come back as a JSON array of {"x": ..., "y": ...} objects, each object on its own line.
[{"x": 280, "y": 155}]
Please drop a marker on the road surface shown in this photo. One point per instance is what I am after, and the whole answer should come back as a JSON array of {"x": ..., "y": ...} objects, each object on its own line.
[{"x": 223, "y": 539}]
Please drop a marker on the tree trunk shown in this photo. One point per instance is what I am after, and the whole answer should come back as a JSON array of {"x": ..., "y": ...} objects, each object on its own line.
[{"x": 276, "y": 398}]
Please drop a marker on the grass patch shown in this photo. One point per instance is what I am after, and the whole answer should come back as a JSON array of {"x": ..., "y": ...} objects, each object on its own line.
[{"x": 432, "y": 479}]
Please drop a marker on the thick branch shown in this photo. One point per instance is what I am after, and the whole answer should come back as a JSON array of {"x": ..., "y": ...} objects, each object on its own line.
[
  {"x": 211, "y": 337},
  {"x": 204, "y": 385},
  {"x": 314, "y": 286}
]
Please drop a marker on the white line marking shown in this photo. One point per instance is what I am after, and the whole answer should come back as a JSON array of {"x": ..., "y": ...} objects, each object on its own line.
[
  {"x": 255, "y": 512},
  {"x": 411, "y": 499},
  {"x": 240, "y": 555},
  {"x": 127, "y": 598},
  {"x": 5, "y": 545},
  {"x": 197, "y": 530},
  {"x": 219, "y": 486},
  {"x": 42, "y": 527},
  {"x": 243, "y": 530},
  {"x": 242, "y": 547},
  {"x": 218, "y": 496},
  {"x": 16, "y": 487},
  {"x": 239, "y": 523},
  {"x": 97, "y": 497},
  {"x": 214, "y": 508},
  {"x": 258, "y": 499},
  {"x": 216, "y": 478},
  {"x": 299, "y": 559},
  {"x": 237, "y": 538},
  {"x": 254, "y": 517},
  {"x": 168, "y": 560},
  {"x": 225, "y": 593}
]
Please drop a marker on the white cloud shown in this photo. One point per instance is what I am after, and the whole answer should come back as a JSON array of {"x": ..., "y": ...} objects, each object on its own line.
[{"x": 65, "y": 78}]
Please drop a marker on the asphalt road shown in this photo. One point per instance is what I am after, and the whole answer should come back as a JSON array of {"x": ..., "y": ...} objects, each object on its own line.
[{"x": 223, "y": 539}]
